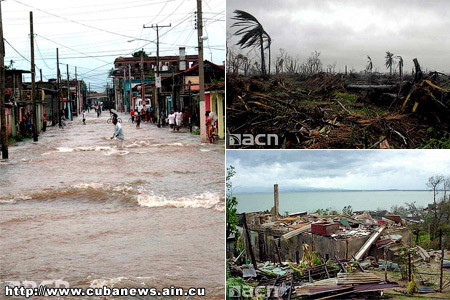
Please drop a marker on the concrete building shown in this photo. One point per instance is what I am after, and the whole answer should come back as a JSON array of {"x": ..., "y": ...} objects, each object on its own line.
[
  {"x": 179, "y": 86},
  {"x": 215, "y": 103},
  {"x": 19, "y": 103},
  {"x": 186, "y": 88},
  {"x": 133, "y": 69}
]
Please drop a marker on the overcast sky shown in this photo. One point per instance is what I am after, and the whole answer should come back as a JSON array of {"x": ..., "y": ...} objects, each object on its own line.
[
  {"x": 259, "y": 170},
  {"x": 124, "y": 20},
  {"x": 346, "y": 31}
]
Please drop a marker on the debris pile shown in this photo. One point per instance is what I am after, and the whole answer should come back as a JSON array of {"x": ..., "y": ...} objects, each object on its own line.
[
  {"x": 313, "y": 256},
  {"x": 330, "y": 255},
  {"x": 337, "y": 111}
]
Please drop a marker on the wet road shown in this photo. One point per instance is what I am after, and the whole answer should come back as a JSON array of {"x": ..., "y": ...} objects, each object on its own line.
[{"x": 73, "y": 207}]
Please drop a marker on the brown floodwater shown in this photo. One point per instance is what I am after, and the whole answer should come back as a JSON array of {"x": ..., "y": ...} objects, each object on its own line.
[{"x": 74, "y": 208}]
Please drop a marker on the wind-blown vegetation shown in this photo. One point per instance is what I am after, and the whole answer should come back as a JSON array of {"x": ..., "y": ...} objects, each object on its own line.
[
  {"x": 433, "y": 218},
  {"x": 252, "y": 35},
  {"x": 303, "y": 99}
]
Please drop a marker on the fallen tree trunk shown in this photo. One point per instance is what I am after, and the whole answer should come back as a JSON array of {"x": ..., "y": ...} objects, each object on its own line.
[{"x": 380, "y": 87}]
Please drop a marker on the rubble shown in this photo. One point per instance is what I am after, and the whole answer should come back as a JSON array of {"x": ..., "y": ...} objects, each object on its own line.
[
  {"x": 339, "y": 111},
  {"x": 292, "y": 249},
  {"x": 332, "y": 256}
]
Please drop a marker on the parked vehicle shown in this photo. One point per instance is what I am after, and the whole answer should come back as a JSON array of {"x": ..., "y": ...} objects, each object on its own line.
[{"x": 140, "y": 105}]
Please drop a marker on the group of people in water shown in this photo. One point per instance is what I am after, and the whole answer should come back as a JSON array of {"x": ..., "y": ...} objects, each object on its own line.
[
  {"x": 143, "y": 115},
  {"x": 175, "y": 120}
]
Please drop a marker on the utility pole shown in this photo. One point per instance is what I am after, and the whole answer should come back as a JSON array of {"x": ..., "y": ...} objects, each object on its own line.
[
  {"x": 130, "y": 91},
  {"x": 173, "y": 87},
  {"x": 2, "y": 90},
  {"x": 201, "y": 72},
  {"x": 124, "y": 96},
  {"x": 58, "y": 86},
  {"x": 40, "y": 71},
  {"x": 441, "y": 261},
  {"x": 76, "y": 93},
  {"x": 33, "y": 82},
  {"x": 157, "y": 27},
  {"x": 69, "y": 103},
  {"x": 409, "y": 266},
  {"x": 142, "y": 76},
  {"x": 190, "y": 104}
]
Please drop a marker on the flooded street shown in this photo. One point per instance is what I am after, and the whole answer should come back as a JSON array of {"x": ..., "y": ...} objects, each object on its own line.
[{"x": 74, "y": 208}]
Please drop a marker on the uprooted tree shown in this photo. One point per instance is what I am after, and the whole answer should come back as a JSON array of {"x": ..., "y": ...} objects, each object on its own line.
[{"x": 309, "y": 108}]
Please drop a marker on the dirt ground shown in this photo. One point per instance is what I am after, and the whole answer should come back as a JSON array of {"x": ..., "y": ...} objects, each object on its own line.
[{"x": 424, "y": 280}]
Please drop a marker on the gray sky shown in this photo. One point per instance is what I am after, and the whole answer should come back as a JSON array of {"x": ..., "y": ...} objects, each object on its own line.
[
  {"x": 258, "y": 170},
  {"x": 346, "y": 31},
  {"x": 123, "y": 18}
]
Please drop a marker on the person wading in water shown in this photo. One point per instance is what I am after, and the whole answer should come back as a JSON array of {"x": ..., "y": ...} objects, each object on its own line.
[{"x": 118, "y": 134}]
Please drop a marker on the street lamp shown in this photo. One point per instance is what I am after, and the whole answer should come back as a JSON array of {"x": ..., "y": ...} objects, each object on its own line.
[{"x": 134, "y": 40}]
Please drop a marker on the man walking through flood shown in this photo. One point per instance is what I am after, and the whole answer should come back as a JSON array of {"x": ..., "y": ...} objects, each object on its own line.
[
  {"x": 178, "y": 119},
  {"x": 172, "y": 120},
  {"x": 118, "y": 134},
  {"x": 84, "y": 117},
  {"x": 62, "y": 120},
  {"x": 138, "y": 120}
]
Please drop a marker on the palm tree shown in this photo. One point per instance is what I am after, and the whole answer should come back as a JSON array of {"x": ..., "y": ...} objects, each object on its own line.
[
  {"x": 252, "y": 34},
  {"x": 389, "y": 61},
  {"x": 369, "y": 64},
  {"x": 269, "y": 42},
  {"x": 400, "y": 66},
  {"x": 138, "y": 54}
]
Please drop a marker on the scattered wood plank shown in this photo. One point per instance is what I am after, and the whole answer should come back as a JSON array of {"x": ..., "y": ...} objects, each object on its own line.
[
  {"x": 296, "y": 232},
  {"x": 365, "y": 248},
  {"x": 357, "y": 278},
  {"x": 423, "y": 253}
]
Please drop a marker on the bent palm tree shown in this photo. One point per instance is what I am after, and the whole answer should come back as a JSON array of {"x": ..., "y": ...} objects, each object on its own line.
[
  {"x": 369, "y": 64},
  {"x": 269, "y": 42},
  {"x": 252, "y": 34},
  {"x": 400, "y": 65},
  {"x": 389, "y": 61}
]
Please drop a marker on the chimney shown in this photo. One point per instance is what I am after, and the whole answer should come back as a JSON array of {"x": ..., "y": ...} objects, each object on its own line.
[
  {"x": 276, "y": 207},
  {"x": 182, "y": 65}
]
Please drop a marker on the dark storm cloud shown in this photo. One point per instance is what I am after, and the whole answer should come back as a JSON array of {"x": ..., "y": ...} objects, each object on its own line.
[
  {"x": 346, "y": 32},
  {"x": 258, "y": 170}
]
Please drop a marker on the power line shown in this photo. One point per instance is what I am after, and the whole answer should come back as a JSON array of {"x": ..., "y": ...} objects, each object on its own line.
[
  {"x": 70, "y": 48},
  {"x": 96, "y": 19},
  {"x": 94, "y": 69},
  {"x": 21, "y": 54},
  {"x": 16, "y": 50},
  {"x": 76, "y": 22},
  {"x": 111, "y": 55},
  {"x": 164, "y": 6},
  {"x": 40, "y": 54},
  {"x": 89, "y": 6},
  {"x": 97, "y": 11},
  {"x": 173, "y": 27},
  {"x": 119, "y": 54}
]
